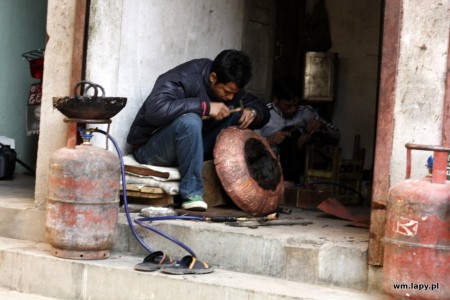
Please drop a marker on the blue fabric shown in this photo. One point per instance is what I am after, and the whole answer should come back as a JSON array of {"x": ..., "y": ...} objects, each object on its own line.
[{"x": 183, "y": 143}]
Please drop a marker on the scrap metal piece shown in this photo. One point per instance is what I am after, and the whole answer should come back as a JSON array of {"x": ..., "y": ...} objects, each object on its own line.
[
  {"x": 335, "y": 208},
  {"x": 287, "y": 222}
]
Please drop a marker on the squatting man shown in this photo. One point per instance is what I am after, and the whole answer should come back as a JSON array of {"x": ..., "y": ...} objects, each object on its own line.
[{"x": 178, "y": 123}]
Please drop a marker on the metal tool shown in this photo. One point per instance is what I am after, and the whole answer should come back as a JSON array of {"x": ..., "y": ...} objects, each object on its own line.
[
  {"x": 222, "y": 219},
  {"x": 256, "y": 224},
  {"x": 234, "y": 110}
]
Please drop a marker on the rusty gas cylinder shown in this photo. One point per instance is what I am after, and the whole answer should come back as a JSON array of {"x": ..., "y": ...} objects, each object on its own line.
[
  {"x": 83, "y": 202},
  {"x": 417, "y": 237}
]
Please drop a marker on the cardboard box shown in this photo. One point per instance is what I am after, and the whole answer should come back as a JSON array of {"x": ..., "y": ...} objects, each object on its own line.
[{"x": 214, "y": 193}]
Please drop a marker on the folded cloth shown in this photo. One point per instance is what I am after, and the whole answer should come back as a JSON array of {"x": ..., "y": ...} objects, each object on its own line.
[
  {"x": 170, "y": 173},
  {"x": 170, "y": 187}
]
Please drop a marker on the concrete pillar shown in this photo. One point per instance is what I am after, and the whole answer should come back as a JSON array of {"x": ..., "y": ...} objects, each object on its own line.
[{"x": 57, "y": 81}]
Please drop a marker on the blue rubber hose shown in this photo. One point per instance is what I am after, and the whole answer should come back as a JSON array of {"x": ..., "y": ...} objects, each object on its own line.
[{"x": 141, "y": 220}]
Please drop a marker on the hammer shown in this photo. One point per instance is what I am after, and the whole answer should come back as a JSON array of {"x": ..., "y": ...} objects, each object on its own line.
[{"x": 234, "y": 110}]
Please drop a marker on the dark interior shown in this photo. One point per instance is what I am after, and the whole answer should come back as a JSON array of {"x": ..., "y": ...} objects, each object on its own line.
[{"x": 263, "y": 166}]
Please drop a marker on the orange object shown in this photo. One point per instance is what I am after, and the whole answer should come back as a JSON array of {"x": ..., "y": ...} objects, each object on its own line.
[
  {"x": 333, "y": 207},
  {"x": 83, "y": 202},
  {"x": 249, "y": 171}
]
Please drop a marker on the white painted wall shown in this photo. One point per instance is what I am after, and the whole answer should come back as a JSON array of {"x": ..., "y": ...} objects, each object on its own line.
[
  {"x": 131, "y": 42},
  {"x": 421, "y": 78}
]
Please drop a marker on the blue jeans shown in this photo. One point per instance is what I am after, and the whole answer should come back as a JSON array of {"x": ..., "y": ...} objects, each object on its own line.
[{"x": 182, "y": 144}]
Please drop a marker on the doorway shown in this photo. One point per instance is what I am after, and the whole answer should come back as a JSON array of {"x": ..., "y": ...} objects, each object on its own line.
[
  {"x": 277, "y": 34},
  {"x": 24, "y": 31}
]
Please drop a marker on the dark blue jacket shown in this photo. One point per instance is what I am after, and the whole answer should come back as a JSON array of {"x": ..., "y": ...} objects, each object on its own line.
[{"x": 182, "y": 90}]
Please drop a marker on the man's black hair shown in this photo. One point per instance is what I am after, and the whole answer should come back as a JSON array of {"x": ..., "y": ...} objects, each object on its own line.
[
  {"x": 285, "y": 88},
  {"x": 232, "y": 66}
]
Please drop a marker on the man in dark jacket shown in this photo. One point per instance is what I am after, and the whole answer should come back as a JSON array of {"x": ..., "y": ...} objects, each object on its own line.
[{"x": 178, "y": 123}]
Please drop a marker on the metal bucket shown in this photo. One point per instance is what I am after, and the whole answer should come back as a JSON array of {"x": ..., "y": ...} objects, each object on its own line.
[{"x": 83, "y": 202}]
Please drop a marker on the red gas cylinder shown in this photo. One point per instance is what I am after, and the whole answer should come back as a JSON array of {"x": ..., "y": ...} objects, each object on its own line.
[
  {"x": 417, "y": 236},
  {"x": 83, "y": 202}
]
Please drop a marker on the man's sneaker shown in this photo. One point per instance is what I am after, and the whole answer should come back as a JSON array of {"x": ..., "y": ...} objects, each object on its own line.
[{"x": 195, "y": 203}]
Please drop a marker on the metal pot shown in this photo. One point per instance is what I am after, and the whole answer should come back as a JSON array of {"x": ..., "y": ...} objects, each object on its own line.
[{"x": 92, "y": 107}]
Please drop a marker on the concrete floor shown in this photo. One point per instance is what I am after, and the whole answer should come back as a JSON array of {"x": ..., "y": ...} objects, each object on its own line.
[
  {"x": 299, "y": 253},
  {"x": 18, "y": 192}
]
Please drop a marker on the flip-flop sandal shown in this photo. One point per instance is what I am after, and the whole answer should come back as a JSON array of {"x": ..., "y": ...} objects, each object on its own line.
[
  {"x": 188, "y": 265},
  {"x": 154, "y": 261}
]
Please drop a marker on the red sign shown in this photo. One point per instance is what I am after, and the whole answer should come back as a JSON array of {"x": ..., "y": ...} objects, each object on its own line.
[{"x": 35, "y": 94}]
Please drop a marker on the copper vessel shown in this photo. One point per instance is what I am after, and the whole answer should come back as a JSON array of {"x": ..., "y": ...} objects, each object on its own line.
[{"x": 249, "y": 171}]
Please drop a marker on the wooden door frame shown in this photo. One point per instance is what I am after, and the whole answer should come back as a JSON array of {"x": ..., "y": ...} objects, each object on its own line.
[
  {"x": 446, "y": 115},
  {"x": 79, "y": 40},
  {"x": 393, "y": 12},
  {"x": 385, "y": 127}
]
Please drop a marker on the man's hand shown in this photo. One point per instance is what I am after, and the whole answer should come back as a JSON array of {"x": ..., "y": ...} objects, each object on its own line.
[
  {"x": 278, "y": 137},
  {"x": 218, "y": 111},
  {"x": 247, "y": 117},
  {"x": 303, "y": 139},
  {"x": 313, "y": 125}
]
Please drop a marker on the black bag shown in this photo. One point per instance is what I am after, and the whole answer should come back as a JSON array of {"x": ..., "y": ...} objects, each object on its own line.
[{"x": 7, "y": 162}]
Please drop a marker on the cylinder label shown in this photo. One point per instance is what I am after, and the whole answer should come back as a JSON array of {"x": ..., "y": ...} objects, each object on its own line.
[{"x": 407, "y": 227}]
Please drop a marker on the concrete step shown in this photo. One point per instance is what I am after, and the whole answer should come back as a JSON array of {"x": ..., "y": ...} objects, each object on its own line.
[
  {"x": 14, "y": 295},
  {"x": 29, "y": 267},
  {"x": 326, "y": 252}
]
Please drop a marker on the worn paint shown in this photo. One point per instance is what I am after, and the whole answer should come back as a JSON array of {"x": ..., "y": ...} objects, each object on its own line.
[
  {"x": 83, "y": 202},
  {"x": 417, "y": 238}
]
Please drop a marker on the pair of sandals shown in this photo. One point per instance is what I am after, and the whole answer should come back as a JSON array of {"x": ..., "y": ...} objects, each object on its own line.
[{"x": 159, "y": 260}]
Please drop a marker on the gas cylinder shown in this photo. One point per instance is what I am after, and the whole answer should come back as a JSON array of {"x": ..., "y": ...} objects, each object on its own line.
[
  {"x": 83, "y": 202},
  {"x": 417, "y": 235}
]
